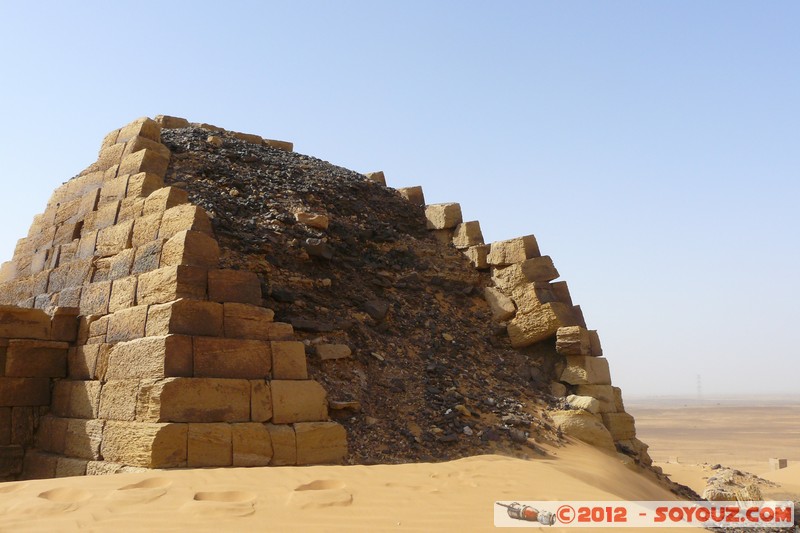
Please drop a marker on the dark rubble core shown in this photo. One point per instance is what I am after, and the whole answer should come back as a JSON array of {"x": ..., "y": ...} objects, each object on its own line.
[{"x": 409, "y": 379}]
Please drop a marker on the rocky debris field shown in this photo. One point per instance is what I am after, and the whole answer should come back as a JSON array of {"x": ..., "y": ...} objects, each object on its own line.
[{"x": 395, "y": 324}]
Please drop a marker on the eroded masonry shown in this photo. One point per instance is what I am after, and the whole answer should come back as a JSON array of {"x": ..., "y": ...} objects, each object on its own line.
[{"x": 124, "y": 345}]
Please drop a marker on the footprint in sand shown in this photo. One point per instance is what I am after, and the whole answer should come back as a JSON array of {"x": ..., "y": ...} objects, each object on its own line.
[
  {"x": 320, "y": 493},
  {"x": 66, "y": 495},
  {"x": 222, "y": 503},
  {"x": 7, "y": 488},
  {"x": 142, "y": 492},
  {"x": 55, "y": 501}
]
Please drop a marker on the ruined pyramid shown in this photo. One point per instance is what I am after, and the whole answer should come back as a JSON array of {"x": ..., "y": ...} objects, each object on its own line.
[{"x": 138, "y": 325}]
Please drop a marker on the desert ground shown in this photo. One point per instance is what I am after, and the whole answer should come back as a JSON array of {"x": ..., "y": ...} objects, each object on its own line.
[
  {"x": 687, "y": 436},
  {"x": 456, "y": 495},
  {"x": 453, "y": 496}
]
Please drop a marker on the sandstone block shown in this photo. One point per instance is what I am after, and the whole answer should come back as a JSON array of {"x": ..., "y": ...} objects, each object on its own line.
[
  {"x": 561, "y": 292},
  {"x": 252, "y": 445},
  {"x": 194, "y": 400},
  {"x": 192, "y": 248},
  {"x": 188, "y": 317},
  {"x": 587, "y": 403},
  {"x": 620, "y": 425},
  {"x": 151, "y": 357},
  {"x": 87, "y": 244},
  {"x": 67, "y": 212},
  {"x": 103, "y": 468},
  {"x": 127, "y": 324},
  {"x": 143, "y": 127},
  {"x": 11, "y": 461},
  {"x": 594, "y": 342},
  {"x": 170, "y": 123},
  {"x": 145, "y": 229},
  {"x": 313, "y": 220},
  {"x": 289, "y": 360},
  {"x": 619, "y": 406},
  {"x": 537, "y": 269},
  {"x": 245, "y": 321},
  {"x": 138, "y": 143},
  {"x": 286, "y": 146},
  {"x": 123, "y": 294},
  {"x": 586, "y": 370},
  {"x": 171, "y": 283},
  {"x": 105, "y": 217},
  {"x": 115, "y": 189},
  {"x": 19, "y": 323},
  {"x": 333, "y": 351},
  {"x": 147, "y": 257},
  {"x": 320, "y": 443},
  {"x": 298, "y": 401},
  {"x": 23, "y": 422},
  {"x": 477, "y": 256},
  {"x": 284, "y": 445},
  {"x": 604, "y": 394},
  {"x": 209, "y": 445},
  {"x": 84, "y": 399},
  {"x": 64, "y": 325},
  {"x": 149, "y": 161},
  {"x": 467, "y": 234},
  {"x": 239, "y": 286},
  {"x": 443, "y": 216},
  {"x": 413, "y": 194},
  {"x": 377, "y": 177},
  {"x": 584, "y": 426},
  {"x": 142, "y": 185},
  {"x": 118, "y": 399},
  {"x": 538, "y": 324},
  {"x": 558, "y": 389},
  {"x": 68, "y": 467},
  {"x": 36, "y": 359},
  {"x": 248, "y": 137},
  {"x": 145, "y": 445},
  {"x": 231, "y": 358},
  {"x": 52, "y": 434},
  {"x": 512, "y": 251},
  {"x": 501, "y": 305},
  {"x": 113, "y": 239},
  {"x": 5, "y": 426},
  {"x": 130, "y": 208},
  {"x": 182, "y": 218},
  {"x": 38, "y": 465},
  {"x": 83, "y": 438},
  {"x": 573, "y": 340},
  {"x": 260, "y": 401},
  {"x": 163, "y": 199}
]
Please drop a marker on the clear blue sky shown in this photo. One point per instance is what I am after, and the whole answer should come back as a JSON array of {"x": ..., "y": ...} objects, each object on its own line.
[{"x": 652, "y": 147}]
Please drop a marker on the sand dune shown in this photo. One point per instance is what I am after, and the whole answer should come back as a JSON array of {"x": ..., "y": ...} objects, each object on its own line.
[{"x": 457, "y": 495}]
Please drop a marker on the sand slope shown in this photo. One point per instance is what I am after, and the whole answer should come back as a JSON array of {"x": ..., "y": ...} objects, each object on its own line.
[{"x": 457, "y": 495}]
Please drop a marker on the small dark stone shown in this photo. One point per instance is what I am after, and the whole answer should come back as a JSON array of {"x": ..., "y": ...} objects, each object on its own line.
[
  {"x": 316, "y": 326},
  {"x": 448, "y": 437},
  {"x": 376, "y": 309},
  {"x": 318, "y": 248},
  {"x": 518, "y": 436},
  {"x": 283, "y": 295}
]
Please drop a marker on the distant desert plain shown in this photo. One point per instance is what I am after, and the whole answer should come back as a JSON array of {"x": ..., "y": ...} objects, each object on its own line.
[{"x": 689, "y": 435}]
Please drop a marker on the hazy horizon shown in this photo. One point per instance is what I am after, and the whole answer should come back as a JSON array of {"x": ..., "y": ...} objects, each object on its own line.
[{"x": 651, "y": 148}]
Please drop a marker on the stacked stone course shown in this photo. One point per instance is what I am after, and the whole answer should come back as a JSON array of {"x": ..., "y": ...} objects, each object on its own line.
[{"x": 125, "y": 346}]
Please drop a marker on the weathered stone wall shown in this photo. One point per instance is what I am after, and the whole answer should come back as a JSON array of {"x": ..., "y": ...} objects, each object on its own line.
[
  {"x": 33, "y": 352},
  {"x": 171, "y": 361},
  {"x": 534, "y": 308}
]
